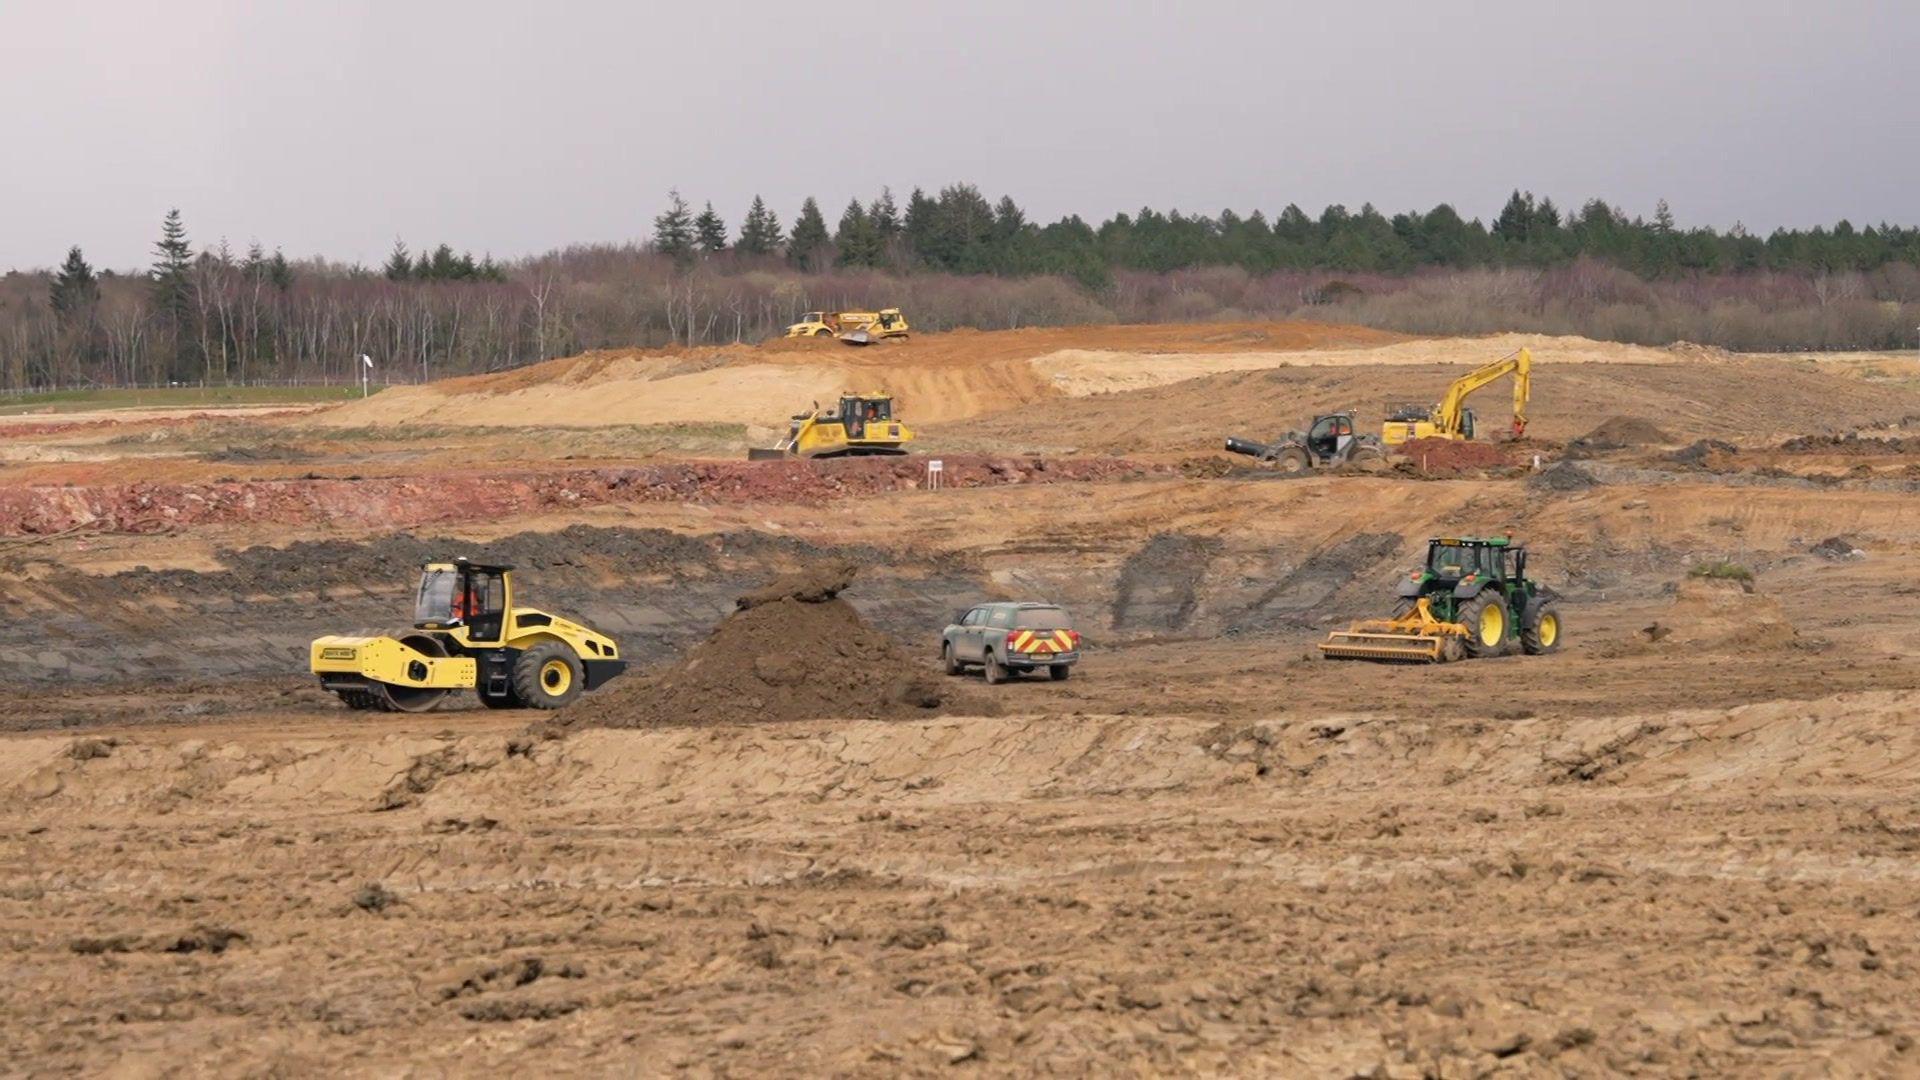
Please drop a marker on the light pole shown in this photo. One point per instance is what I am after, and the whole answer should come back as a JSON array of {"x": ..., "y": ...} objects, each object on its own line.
[{"x": 366, "y": 369}]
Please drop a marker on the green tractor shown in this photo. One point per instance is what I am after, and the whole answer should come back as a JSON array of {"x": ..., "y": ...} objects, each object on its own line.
[{"x": 1472, "y": 598}]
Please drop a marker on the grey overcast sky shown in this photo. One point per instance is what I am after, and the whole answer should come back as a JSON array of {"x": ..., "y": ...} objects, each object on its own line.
[{"x": 331, "y": 128}]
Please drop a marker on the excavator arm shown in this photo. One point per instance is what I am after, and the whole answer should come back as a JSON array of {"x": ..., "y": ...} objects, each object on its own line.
[{"x": 1448, "y": 416}]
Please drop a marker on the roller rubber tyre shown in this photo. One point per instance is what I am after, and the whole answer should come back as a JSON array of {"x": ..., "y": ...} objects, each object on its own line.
[
  {"x": 548, "y": 676},
  {"x": 949, "y": 662},
  {"x": 1059, "y": 673},
  {"x": 997, "y": 672},
  {"x": 1485, "y": 617},
  {"x": 1542, "y": 630}
]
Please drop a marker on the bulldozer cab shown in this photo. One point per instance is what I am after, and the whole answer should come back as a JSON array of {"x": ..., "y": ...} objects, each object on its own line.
[
  {"x": 464, "y": 594},
  {"x": 857, "y": 411},
  {"x": 1330, "y": 436}
]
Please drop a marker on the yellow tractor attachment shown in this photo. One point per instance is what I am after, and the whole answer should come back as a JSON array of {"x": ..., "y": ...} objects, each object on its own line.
[{"x": 1414, "y": 637}]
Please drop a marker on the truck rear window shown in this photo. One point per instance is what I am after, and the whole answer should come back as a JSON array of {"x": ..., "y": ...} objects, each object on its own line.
[{"x": 1051, "y": 618}]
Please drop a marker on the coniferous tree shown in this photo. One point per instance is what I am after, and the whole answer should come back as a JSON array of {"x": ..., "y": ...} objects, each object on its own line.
[
  {"x": 75, "y": 289},
  {"x": 760, "y": 232},
  {"x": 856, "y": 240},
  {"x": 918, "y": 225},
  {"x": 400, "y": 263},
  {"x": 885, "y": 216},
  {"x": 173, "y": 261},
  {"x": 806, "y": 247},
  {"x": 673, "y": 229},
  {"x": 709, "y": 231},
  {"x": 279, "y": 272}
]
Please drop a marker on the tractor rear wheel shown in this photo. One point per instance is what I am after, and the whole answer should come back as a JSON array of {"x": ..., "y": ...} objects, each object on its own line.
[
  {"x": 1541, "y": 628},
  {"x": 1486, "y": 620},
  {"x": 548, "y": 676}
]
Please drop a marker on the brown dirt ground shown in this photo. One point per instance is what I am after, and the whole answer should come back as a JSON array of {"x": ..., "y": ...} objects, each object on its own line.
[{"x": 1681, "y": 852}]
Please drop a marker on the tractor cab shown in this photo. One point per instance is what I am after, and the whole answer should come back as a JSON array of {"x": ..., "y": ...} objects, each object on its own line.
[
  {"x": 1453, "y": 560},
  {"x": 464, "y": 594}
]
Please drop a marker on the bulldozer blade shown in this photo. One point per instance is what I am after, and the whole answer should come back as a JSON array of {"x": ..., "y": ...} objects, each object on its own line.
[
  {"x": 761, "y": 454},
  {"x": 1404, "y": 648},
  {"x": 857, "y": 337}
]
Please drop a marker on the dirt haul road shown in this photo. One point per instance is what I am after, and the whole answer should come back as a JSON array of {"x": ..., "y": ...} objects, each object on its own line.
[{"x": 1685, "y": 844}]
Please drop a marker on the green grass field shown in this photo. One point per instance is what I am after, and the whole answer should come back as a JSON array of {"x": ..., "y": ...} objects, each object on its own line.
[{"x": 177, "y": 397}]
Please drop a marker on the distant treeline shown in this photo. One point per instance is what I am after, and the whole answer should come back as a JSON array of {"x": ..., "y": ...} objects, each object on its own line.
[{"x": 955, "y": 258}]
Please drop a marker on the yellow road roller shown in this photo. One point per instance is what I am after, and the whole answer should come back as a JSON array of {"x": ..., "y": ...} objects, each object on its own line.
[{"x": 467, "y": 634}]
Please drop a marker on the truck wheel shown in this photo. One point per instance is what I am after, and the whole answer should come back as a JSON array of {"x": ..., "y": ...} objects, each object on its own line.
[
  {"x": 948, "y": 661},
  {"x": 1540, "y": 630},
  {"x": 1292, "y": 461},
  {"x": 823, "y": 332},
  {"x": 996, "y": 671},
  {"x": 1486, "y": 620},
  {"x": 548, "y": 676},
  {"x": 1059, "y": 672}
]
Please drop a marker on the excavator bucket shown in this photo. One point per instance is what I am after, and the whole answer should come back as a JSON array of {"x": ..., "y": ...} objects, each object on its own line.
[{"x": 1414, "y": 638}]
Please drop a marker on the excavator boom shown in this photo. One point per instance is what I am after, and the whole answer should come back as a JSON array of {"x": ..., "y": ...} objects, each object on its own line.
[{"x": 1449, "y": 418}]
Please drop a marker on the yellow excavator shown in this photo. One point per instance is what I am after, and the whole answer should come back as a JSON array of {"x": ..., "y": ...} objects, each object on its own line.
[
  {"x": 860, "y": 425},
  {"x": 1450, "y": 418}
]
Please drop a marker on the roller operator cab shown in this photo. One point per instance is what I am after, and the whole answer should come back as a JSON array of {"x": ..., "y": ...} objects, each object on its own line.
[{"x": 468, "y": 634}]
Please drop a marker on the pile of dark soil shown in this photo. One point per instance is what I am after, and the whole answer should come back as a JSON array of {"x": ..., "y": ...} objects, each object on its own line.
[
  {"x": 1852, "y": 445},
  {"x": 793, "y": 650},
  {"x": 1839, "y": 549},
  {"x": 1704, "y": 453},
  {"x": 1621, "y": 433},
  {"x": 1562, "y": 476}
]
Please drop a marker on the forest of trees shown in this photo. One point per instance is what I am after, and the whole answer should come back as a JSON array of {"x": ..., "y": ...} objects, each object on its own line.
[{"x": 205, "y": 314}]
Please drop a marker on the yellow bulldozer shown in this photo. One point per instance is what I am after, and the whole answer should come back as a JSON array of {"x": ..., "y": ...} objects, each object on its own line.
[
  {"x": 468, "y": 635},
  {"x": 859, "y": 425},
  {"x": 1450, "y": 418},
  {"x": 852, "y": 327}
]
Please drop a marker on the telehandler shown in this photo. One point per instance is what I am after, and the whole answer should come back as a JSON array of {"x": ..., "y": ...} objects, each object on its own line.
[
  {"x": 468, "y": 635},
  {"x": 1450, "y": 418},
  {"x": 859, "y": 425},
  {"x": 1472, "y": 598},
  {"x": 1329, "y": 441}
]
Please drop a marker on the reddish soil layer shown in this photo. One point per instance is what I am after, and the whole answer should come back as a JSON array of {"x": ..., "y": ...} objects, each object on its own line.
[{"x": 135, "y": 508}]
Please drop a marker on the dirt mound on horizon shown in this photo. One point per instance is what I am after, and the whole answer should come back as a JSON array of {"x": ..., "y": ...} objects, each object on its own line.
[
  {"x": 1623, "y": 432},
  {"x": 792, "y": 650}
]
